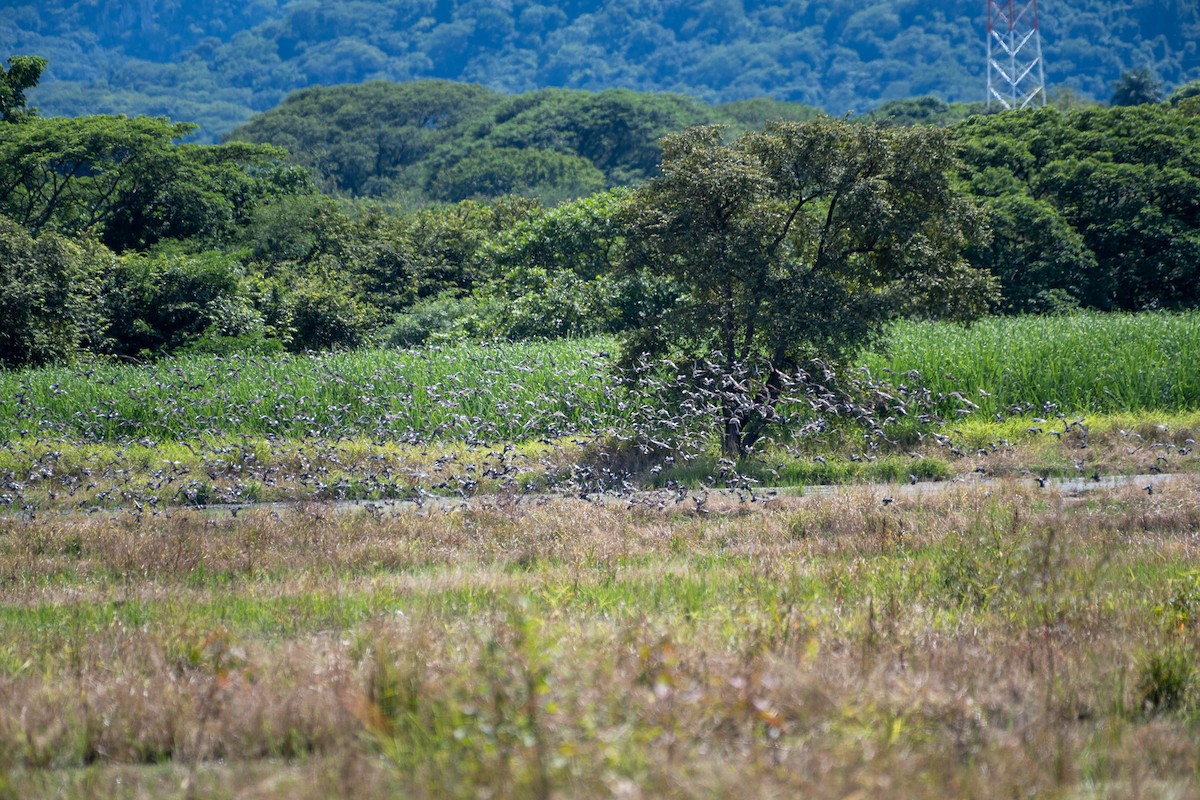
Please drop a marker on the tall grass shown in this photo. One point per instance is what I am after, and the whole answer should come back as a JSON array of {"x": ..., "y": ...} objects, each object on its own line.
[
  {"x": 1086, "y": 362},
  {"x": 1003, "y": 642},
  {"x": 488, "y": 392},
  {"x": 1082, "y": 363}
]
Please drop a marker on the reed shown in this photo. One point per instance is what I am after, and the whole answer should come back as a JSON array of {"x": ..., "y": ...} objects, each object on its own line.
[
  {"x": 1075, "y": 364},
  {"x": 1080, "y": 363}
]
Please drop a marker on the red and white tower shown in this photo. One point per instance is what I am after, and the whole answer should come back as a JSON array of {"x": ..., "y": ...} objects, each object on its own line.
[{"x": 1016, "y": 77}]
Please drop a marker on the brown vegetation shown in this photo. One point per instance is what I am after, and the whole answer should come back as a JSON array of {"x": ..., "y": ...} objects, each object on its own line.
[{"x": 983, "y": 641}]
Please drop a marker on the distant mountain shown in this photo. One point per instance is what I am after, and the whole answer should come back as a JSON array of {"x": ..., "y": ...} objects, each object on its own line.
[{"x": 219, "y": 62}]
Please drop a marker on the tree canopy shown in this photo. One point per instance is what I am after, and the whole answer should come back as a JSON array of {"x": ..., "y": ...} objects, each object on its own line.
[
  {"x": 800, "y": 242},
  {"x": 1094, "y": 207},
  {"x": 218, "y": 62},
  {"x": 23, "y": 73},
  {"x": 1138, "y": 86},
  {"x": 442, "y": 141},
  {"x": 127, "y": 180},
  {"x": 768, "y": 241}
]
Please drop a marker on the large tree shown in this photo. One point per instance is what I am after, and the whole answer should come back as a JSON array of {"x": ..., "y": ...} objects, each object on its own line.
[
  {"x": 1137, "y": 87},
  {"x": 23, "y": 73},
  {"x": 801, "y": 242},
  {"x": 127, "y": 179}
]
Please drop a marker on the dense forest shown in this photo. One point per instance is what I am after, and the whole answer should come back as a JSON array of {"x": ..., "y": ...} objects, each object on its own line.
[
  {"x": 217, "y": 63},
  {"x": 119, "y": 238},
  {"x": 442, "y": 141}
]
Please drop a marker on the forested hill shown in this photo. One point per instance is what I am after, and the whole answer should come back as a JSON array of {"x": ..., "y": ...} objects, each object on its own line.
[
  {"x": 438, "y": 140},
  {"x": 218, "y": 62}
]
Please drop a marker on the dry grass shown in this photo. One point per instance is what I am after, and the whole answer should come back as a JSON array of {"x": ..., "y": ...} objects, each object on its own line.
[{"x": 975, "y": 642}]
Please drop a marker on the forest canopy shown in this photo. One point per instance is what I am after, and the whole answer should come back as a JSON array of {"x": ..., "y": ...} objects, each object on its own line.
[
  {"x": 216, "y": 63},
  {"x": 443, "y": 141},
  {"x": 451, "y": 211}
]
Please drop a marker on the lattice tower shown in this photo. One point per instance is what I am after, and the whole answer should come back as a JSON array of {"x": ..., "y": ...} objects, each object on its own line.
[{"x": 1016, "y": 75}]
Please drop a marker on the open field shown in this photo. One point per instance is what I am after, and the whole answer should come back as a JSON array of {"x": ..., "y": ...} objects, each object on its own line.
[
  {"x": 1008, "y": 642},
  {"x": 1105, "y": 363},
  {"x": 663, "y": 640},
  {"x": 1084, "y": 364},
  {"x": 462, "y": 421}
]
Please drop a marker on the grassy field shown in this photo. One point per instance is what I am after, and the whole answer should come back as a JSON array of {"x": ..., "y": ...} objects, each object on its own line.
[
  {"x": 1084, "y": 363},
  {"x": 973, "y": 643},
  {"x": 1117, "y": 394},
  {"x": 990, "y": 638},
  {"x": 1081, "y": 363},
  {"x": 497, "y": 392}
]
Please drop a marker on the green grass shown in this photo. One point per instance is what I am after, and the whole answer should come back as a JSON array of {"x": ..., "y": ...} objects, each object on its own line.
[
  {"x": 1081, "y": 363},
  {"x": 493, "y": 392},
  {"x": 997, "y": 640},
  {"x": 774, "y": 470},
  {"x": 572, "y": 647}
]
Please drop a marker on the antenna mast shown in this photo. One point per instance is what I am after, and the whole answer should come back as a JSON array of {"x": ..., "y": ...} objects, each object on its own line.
[{"x": 1015, "y": 74}]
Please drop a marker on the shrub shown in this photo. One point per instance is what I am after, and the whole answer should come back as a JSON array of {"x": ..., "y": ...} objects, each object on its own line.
[
  {"x": 165, "y": 301},
  {"x": 326, "y": 314},
  {"x": 49, "y": 288},
  {"x": 443, "y": 318},
  {"x": 1165, "y": 681}
]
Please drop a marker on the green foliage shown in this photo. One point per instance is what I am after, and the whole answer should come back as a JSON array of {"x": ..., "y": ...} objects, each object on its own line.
[
  {"x": 1041, "y": 262},
  {"x": 617, "y": 130},
  {"x": 500, "y": 392},
  {"x": 1094, "y": 206},
  {"x": 1085, "y": 363},
  {"x": 1185, "y": 92},
  {"x": 73, "y": 174},
  {"x": 494, "y": 172},
  {"x": 1137, "y": 87},
  {"x": 436, "y": 140},
  {"x": 923, "y": 111},
  {"x": 370, "y": 140},
  {"x": 23, "y": 73},
  {"x": 754, "y": 113},
  {"x": 326, "y": 314},
  {"x": 218, "y": 63},
  {"x": 448, "y": 245},
  {"x": 586, "y": 237},
  {"x": 167, "y": 301},
  {"x": 443, "y": 318},
  {"x": 800, "y": 242},
  {"x": 1166, "y": 680},
  {"x": 802, "y": 239},
  {"x": 1078, "y": 363},
  {"x": 49, "y": 288},
  {"x": 126, "y": 180},
  {"x": 1180, "y": 610},
  {"x": 561, "y": 273},
  {"x": 796, "y": 241}
]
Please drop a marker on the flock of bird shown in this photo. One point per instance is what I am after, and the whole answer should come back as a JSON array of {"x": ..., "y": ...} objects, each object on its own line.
[{"x": 180, "y": 439}]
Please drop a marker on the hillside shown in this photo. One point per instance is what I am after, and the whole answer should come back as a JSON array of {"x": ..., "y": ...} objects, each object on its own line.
[
  {"x": 445, "y": 141},
  {"x": 219, "y": 62}
]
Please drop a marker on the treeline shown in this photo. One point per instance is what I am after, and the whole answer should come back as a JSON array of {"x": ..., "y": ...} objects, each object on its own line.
[
  {"x": 439, "y": 141},
  {"x": 118, "y": 241},
  {"x": 443, "y": 142},
  {"x": 1094, "y": 208},
  {"x": 218, "y": 62}
]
